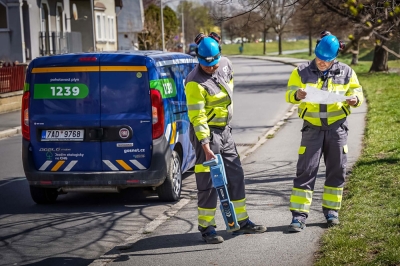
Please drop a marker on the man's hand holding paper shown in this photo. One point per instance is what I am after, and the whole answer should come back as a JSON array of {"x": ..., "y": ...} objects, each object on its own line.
[{"x": 315, "y": 95}]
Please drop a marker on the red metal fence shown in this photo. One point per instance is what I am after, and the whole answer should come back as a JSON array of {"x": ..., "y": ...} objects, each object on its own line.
[{"x": 12, "y": 78}]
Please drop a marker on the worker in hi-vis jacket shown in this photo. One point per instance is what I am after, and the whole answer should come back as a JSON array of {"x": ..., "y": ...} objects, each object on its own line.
[
  {"x": 209, "y": 89},
  {"x": 324, "y": 130}
]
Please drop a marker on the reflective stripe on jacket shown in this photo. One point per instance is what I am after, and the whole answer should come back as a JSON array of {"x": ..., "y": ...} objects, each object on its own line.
[
  {"x": 340, "y": 79},
  {"x": 209, "y": 98}
]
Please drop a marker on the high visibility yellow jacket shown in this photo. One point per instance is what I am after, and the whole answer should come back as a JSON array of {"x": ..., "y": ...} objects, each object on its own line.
[
  {"x": 340, "y": 79},
  {"x": 209, "y": 98}
]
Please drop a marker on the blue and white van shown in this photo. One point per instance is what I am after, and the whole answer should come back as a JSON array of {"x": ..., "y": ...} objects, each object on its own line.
[{"x": 106, "y": 121}]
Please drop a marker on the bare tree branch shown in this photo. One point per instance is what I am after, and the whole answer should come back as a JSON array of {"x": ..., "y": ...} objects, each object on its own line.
[{"x": 391, "y": 51}]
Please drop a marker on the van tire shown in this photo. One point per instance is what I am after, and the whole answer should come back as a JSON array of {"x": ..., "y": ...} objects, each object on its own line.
[
  {"x": 42, "y": 195},
  {"x": 170, "y": 190}
]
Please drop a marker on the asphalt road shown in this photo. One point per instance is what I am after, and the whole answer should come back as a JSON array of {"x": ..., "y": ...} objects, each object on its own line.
[
  {"x": 259, "y": 89},
  {"x": 80, "y": 228}
]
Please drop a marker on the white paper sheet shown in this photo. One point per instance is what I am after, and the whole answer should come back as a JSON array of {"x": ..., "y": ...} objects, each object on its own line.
[{"x": 323, "y": 97}]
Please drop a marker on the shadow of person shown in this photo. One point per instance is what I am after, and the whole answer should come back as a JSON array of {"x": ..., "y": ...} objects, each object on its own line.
[
  {"x": 184, "y": 243},
  {"x": 321, "y": 225},
  {"x": 163, "y": 245}
]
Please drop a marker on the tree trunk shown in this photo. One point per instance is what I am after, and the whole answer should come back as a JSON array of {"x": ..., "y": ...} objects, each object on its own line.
[
  {"x": 280, "y": 43},
  {"x": 354, "y": 59},
  {"x": 310, "y": 51},
  {"x": 380, "y": 62},
  {"x": 354, "y": 52}
]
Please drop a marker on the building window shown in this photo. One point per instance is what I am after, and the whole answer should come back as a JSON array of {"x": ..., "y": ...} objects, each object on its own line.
[
  {"x": 100, "y": 27},
  {"x": 103, "y": 26},
  {"x": 3, "y": 17},
  {"x": 111, "y": 29},
  {"x": 45, "y": 37},
  {"x": 60, "y": 18}
]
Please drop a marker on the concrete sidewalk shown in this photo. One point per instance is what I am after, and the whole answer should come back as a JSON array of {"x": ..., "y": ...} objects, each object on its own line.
[
  {"x": 10, "y": 124},
  {"x": 270, "y": 167}
]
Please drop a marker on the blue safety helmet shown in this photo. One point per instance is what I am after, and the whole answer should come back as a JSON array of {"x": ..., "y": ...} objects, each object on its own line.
[
  {"x": 327, "y": 48},
  {"x": 208, "y": 52}
]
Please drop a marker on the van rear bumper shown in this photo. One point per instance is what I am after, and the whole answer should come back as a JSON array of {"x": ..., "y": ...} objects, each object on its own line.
[{"x": 152, "y": 177}]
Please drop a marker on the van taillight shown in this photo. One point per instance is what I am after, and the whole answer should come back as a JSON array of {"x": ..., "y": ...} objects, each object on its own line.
[
  {"x": 25, "y": 116},
  {"x": 157, "y": 110}
]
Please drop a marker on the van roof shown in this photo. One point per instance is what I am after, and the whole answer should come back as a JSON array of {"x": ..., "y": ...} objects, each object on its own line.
[
  {"x": 149, "y": 53},
  {"x": 160, "y": 58}
]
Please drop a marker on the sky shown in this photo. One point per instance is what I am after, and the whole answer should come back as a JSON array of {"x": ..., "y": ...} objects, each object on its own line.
[{"x": 174, "y": 3}]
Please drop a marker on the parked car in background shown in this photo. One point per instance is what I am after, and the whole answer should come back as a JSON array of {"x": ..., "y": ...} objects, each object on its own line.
[{"x": 239, "y": 40}]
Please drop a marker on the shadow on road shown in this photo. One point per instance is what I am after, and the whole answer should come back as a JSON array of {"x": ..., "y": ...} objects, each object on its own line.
[
  {"x": 17, "y": 196},
  {"x": 65, "y": 261},
  {"x": 178, "y": 243}
]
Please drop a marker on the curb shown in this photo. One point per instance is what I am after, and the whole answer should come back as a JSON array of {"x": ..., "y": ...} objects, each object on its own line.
[
  {"x": 10, "y": 132},
  {"x": 270, "y": 134}
]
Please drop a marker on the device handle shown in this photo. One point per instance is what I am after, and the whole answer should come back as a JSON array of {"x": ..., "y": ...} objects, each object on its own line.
[{"x": 212, "y": 162}]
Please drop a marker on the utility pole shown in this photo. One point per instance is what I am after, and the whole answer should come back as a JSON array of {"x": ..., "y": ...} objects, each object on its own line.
[
  {"x": 93, "y": 24},
  {"x": 162, "y": 26}
]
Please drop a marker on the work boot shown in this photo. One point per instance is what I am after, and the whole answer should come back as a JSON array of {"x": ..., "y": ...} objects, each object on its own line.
[
  {"x": 296, "y": 226},
  {"x": 250, "y": 228},
  {"x": 212, "y": 237},
  {"x": 332, "y": 220}
]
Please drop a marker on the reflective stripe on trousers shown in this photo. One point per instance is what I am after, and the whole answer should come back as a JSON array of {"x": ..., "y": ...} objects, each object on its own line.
[
  {"x": 206, "y": 217},
  {"x": 300, "y": 200},
  {"x": 240, "y": 209},
  {"x": 332, "y": 197}
]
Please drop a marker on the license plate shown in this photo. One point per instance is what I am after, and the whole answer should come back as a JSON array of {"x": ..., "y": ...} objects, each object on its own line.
[{"x": 63, "y": 135}]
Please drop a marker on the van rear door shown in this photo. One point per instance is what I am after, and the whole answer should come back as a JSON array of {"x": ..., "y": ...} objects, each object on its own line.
[
  {"x": 126, "y": 113},
  {"x": 65, "y": 113}
]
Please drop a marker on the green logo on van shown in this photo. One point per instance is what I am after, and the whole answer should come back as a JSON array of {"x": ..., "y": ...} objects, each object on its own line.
[
  {"x": 60, "y": 91},
  {"x": 167, "y": 87}
]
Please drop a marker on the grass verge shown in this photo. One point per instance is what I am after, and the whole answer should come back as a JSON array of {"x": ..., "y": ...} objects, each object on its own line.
[
  {"x": 258, "y": 48},
  {"x": 369, "y": 233}
]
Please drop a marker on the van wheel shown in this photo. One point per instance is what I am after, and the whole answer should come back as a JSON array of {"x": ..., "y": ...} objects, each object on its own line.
[
  {"x": 170, "y": 190},
  {"x": 42, "y": 195}
]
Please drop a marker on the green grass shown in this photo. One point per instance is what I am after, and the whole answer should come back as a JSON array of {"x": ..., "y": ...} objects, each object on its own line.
[
  {"x": 365, "y": 54},
  {"x": 270, "y": 136},
  {"x": 369, "y": 233},
  {"x": 257, "y": 48}
]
